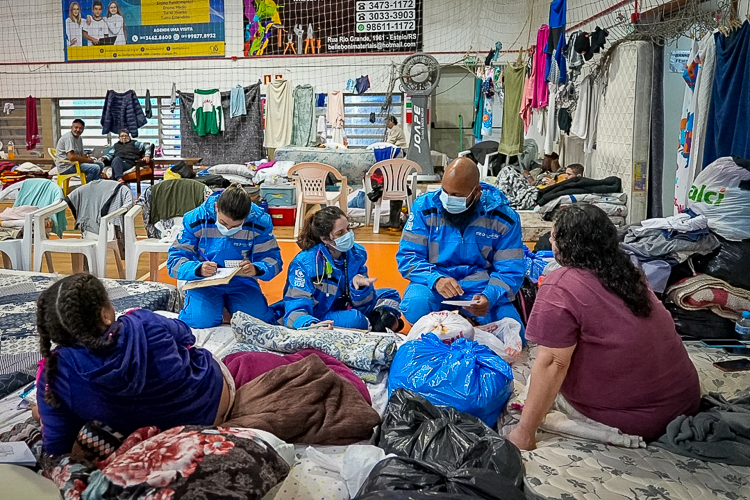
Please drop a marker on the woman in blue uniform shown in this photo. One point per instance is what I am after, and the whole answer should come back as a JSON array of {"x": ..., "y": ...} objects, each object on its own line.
[
  {"x": 227, "y": 227},
  {"x": 327, "y": 282}
]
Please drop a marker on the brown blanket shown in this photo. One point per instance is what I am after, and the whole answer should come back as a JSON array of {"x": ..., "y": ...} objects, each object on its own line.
[{"x": 304, "y": 402}]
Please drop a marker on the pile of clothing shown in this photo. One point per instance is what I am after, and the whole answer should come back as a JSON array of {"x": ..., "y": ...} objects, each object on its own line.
[
  {"x": 10, "y": 173},
  {"x": 605, "y": 193}
]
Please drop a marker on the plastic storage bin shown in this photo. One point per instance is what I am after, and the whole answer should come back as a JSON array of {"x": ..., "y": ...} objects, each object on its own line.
[
  {"x": 283, "y": 216},
  {"x": 279, "y": 195}
]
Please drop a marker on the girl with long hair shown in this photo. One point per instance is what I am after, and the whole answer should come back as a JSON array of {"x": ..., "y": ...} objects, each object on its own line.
[
  {"x": 606, "y": 343},
  {"x": 127, "y": 373},
  {"x": 116, "y": 23},
  {"x": 73, "y": 28},
  {"x": 328, "y": 283}
]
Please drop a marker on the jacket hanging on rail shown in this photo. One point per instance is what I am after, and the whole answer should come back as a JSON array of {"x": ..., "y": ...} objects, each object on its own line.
[
  {"x": 206, "y": 113},
  {"x": 122, "y": 111}
]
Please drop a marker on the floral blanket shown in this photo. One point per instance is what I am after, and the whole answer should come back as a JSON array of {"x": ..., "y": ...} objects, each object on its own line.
[
  {"x": 365, "y": 353},
  {"x": 183, "y": 462}
]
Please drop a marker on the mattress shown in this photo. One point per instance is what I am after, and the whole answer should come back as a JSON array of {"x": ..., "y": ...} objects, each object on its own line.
[
  {"x": 352, "y": 163},
  {"x": 624, "y": 124},
  {"x": 19, "y": 291},
  {"x": 562, "y": 467}
]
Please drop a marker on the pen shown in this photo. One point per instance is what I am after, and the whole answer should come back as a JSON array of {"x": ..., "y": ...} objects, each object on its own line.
[{"x": 201, "y": 254}]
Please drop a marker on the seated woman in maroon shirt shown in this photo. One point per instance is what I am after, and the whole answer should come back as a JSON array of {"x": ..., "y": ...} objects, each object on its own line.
[{"x": 605, "y": 341}]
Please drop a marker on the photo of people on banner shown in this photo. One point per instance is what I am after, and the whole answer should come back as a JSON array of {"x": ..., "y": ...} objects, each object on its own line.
[
  {"x": 290, "y": 27},
  {"x": 110, "y": 29}
]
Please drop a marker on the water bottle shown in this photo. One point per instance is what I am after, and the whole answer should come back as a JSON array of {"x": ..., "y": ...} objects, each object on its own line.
[
  {"x": 11, "y": 150},
  {"x": 742, "y": 327},
  {"x": 264, "y": 205}
]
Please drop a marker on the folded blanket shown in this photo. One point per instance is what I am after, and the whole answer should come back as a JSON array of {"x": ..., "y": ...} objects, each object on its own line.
[
  {"x": 654, "y": 244},
  {"x": 706, "y": 292},
  {"x": 612, "y": 202},
  {"x": 304, "y": 402},
  {"x": 580, "y": 185},
  {"x": 247, "y": 366},
  {"x": 565, "y": 420},
  {"x": 721, "y": 434},
  {"x": 366, "y": 353}
]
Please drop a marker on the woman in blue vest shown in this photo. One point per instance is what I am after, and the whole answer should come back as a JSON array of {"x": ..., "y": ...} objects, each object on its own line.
[{"x": 327, "y": 282}]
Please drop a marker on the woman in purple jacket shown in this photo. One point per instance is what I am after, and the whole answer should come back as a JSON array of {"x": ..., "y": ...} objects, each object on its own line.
[{"x": 131, "y": 372}]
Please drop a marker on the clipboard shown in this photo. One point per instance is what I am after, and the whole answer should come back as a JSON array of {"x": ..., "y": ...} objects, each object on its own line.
[{"x": 222, "y": 277}]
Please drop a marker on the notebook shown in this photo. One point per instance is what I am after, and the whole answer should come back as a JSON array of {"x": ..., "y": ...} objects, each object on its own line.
[{"x": 223, "y": 276}]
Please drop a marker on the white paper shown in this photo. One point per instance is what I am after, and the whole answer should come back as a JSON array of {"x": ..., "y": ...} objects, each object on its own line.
[
  {"x": 16, "y": 452},
  {"x": 462, "y": 303},
  {"x": 221, "y": 273}
]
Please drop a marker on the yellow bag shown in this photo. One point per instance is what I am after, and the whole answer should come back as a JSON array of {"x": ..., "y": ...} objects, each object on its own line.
[{"x": 169, "y": 175}]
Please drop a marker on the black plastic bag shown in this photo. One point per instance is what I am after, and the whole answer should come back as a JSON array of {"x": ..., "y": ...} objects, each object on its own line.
[
  {"x": 731, "y": 263},
  {"x": 524, "y": 299},
  {"x": 415, "y": 428},
  {"x": 399, "y": 473},
  {"x": 698, "y": 325}
]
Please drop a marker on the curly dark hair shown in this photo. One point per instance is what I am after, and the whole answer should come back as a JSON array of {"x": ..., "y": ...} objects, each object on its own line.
[
  {"x": 318, "y": 225},
  {"x": 587, "y": 239},
  {"x": 69, "y": 313}
]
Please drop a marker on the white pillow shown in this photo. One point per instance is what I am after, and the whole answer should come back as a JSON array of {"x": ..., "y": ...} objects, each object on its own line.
[{"x": 233, "y": 169}]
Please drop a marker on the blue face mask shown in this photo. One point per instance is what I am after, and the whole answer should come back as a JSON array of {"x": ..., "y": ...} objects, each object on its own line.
[
  {"x": 454, "y": 204},
  {"x": 344, "y": 243},
  {"x": 225, "y": 231}
]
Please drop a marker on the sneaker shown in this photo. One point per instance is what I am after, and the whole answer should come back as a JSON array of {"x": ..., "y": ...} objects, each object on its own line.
[{"x": 107, "y": 172}]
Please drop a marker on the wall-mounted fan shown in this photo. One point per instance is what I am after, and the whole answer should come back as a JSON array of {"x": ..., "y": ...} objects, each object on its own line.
[{"x": 420, "y": 74}]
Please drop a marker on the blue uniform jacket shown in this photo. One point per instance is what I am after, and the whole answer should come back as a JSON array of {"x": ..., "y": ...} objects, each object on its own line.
[
  {"x": 310, "y": 292},
  {"x": 254, "y": 242},
  {"x": 488, "y": 256}
]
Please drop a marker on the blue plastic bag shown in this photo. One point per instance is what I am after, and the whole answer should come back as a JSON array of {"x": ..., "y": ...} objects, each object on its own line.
[{"x": 465, "y": 375}]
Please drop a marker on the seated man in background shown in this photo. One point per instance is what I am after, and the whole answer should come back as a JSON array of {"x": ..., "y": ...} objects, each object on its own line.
[
  {"x": 573, "y": 171},
  {"x": 462, "y": 243},
  {"x": 70, "y": 149},
  {"x": 549, "y": 168},
  {"x": 394, "y": 134},
  {"x": 125, "y": 154}
]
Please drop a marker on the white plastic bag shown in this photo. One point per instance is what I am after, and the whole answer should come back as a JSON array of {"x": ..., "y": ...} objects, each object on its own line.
[
  {"x": 446, "y": 325},
  {"x": 503, "y": 337},
  {"x": 716, "y": 193}
]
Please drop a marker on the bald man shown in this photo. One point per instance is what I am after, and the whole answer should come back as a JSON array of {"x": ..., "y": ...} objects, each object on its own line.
[{"x": 462, "y": 243}]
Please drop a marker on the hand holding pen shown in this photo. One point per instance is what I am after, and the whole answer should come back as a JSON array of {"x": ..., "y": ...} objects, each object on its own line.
[{"x": 208, "y": 268}]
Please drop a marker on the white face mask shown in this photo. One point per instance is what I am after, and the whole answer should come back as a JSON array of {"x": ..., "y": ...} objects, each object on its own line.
[
  {"x": 454, "y": 204},
  {"x": 225, "y": 231}
]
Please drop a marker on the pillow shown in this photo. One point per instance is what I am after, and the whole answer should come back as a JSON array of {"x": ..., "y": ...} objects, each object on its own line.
[{"x": 233, "y": 169}]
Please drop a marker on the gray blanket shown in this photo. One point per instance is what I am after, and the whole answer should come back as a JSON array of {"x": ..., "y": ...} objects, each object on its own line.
[{"x": 721, "y": 434}]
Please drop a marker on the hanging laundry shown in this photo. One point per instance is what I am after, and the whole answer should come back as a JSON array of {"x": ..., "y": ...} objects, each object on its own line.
[
  {"x": 363, "y": 84},
  {"x": 322, "y": 130},
  {"x": 527, "y": 100},
  {"x": 336, "y": 115},
  {"x": 122, "y": 111},
  {"x": 557, "y": 71},
  {"x": 206, "y": 113},
  {"x": 478, "y": 109},
  {"x": 487, "y": 117},
  {"x": 173, "y": 98},
  {"x": 541, "y": 91},
  {"x": 147, "y": 110},
  {"x": 8, "y": 108},
  {"x": 557, "y": 21},
  {"x": 729, "y": 115},
  {"x": 704, "y": 85},
  {"x": 579, "y": 127},
  {"x": 32, "y": 125},
  {"x": 511, "y": 140},
  {"x": 237, "y": 102},
  {"x": 683, "y": 180},
  {"x": 303, "y": 124},
  {"x": 279, "y": 114},
  {"x": 573, "y": 58},
  {"x": 320, "y": 100},
  {"x": 552, "y": 132},
  {"x": 350, "y": 86}
]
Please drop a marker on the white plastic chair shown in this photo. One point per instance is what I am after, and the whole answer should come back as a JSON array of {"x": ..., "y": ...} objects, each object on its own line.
[
  {"x": 397, "y": 174},
  {"x": 93, "y": 246},
  {"x": 311, "y": 188},
  {"x": 19, "y": 251},
  {"x": 135, "y": 247}
]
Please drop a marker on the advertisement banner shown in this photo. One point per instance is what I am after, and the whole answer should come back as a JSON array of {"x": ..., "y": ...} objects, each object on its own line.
[
  {"x": 293, "y": 27},
  {"x": 142, "y": 29}
]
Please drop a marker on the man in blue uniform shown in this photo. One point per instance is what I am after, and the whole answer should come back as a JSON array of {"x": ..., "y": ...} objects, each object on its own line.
[
  {"x": 227, "y": 227},
  {"x": 462, "y": 243}
]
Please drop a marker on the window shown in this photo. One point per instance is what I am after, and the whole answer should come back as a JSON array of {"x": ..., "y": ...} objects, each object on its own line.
[
  {"x": 161, "y": 130},
  {"x": 360, "y": 132},
  {"x": 13, "y": 125}
]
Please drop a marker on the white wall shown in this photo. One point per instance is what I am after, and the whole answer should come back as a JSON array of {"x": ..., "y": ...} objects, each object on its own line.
[{"x": 32, "y": 60}]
